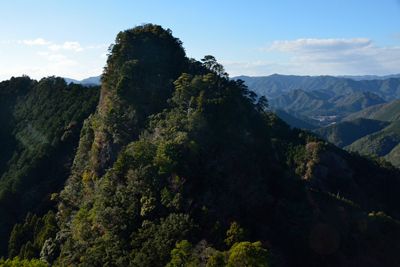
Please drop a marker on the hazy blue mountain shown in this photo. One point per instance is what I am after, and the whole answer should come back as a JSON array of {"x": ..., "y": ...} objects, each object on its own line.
[
  {"x": 379, "y": 143},
  {"x": 96, "y": 80},
  {"x": 91, "y": 81},
  {"x": 369, "y": 77},
  {"x": 275, "y": 85},
  {"x": 69, "y": 80}
]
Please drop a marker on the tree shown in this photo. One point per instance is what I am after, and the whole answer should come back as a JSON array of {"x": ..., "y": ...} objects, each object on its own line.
[
  {"x": 211, "y": 63},
  {"x": 181, "y": 254},
  {"x": 247, "y": 254},
  {"x": 234, "y": 234},
  {"x": 17, "y": 262}
]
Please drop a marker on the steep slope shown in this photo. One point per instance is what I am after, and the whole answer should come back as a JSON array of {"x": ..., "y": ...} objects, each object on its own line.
[
  {"x": 324, "y": 103},
  {"x": 145, "y": 59},
  {"x": 394, "y": 156},
  {"x": 10, "y": 91},
  {"x": 379, "y": 143},
  {"x": 41, "y": 122},
  {"x": 344, "y": 133},
  {"x": 356, "y": 101},
  {"x": 208, "y": 169},
  {"x": 295, "y": 121},
  {"x": 383, "y": 112},
  {"x": 181, "y": 166},
  {"x": 300, "y": 101}
]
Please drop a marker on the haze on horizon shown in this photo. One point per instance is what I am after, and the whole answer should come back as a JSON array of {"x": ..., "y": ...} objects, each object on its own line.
[{"x": 311, "y": 37}]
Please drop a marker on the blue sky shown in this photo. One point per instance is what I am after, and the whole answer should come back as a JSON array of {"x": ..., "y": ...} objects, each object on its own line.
[{"x": 310, "y": 37}]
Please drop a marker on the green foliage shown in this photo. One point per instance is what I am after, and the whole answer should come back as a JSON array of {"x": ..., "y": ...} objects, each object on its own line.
[
  {"x": 217, "y": 259},
  {"x": 234, "y": 234},
  {"x": 153, "y": 242},
  {"x": 211, "y": 63},
  {"x": 181, "y": 254},
  {"x": 27, "y": 239},
  {"x": 379, "y": 143},
  {"x": 42, "y": 121},
  {"x": 178, "y": 160},
  {"x": 248, "y": 254},
  {"x": 240, "y": 254},
  {"x": 17, "y": 262}
]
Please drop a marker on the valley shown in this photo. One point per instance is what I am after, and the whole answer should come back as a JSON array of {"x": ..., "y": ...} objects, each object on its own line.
[{"x": 339, "y": 109}]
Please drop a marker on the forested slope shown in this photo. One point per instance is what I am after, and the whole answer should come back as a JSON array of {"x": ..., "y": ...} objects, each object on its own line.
[
  {"x": 40, "y": 125},
  {"x": 181, "y": 166}
]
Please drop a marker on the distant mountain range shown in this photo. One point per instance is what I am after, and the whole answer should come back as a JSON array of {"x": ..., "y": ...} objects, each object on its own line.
[
  {"x": 325, "y": 99},
  {"x": 370, "y": 77},
  {"x": 357, "y": 113},
  {"x": 384, "y": 112},
  {"x": 276, "y": 85},
  {"x": 321, "y": 103},
  {"x": 91, "y": 81},
  {"x": 96, "y": 80}
]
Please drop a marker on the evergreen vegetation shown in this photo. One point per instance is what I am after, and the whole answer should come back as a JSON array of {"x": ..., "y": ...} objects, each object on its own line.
[
  {"x": 41, "y": 122},
  {"x": 181, "y": 166}
]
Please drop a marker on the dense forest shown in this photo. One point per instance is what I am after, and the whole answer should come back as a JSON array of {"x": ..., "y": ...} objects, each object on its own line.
[
  {"x": 171, "y": 163},
  {"x": 40, "y": 127}
]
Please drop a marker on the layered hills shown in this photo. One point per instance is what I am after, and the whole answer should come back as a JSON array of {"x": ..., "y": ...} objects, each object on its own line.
[
  {"x": 341, "y": 109},
  {"x": 324, "y": 99},
  {"x": 372, "y": 131},
  {"x": 276, "y": 85}
]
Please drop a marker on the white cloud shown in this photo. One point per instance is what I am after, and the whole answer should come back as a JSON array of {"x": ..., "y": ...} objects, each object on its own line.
[
  {"x": 37, "y": 41},
  {"x": 311, "y": 56},
  {"x": 98, "y": 46},
  {"x": 40, "y": 58},
  {"x": 72, "y": 46},
  {"x": 319, "y": 45},
  {"x": 57, "y": 58}
]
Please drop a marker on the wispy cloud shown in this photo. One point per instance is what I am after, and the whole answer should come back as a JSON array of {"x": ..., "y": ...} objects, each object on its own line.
[
  {"x": 314, "y": 56},
  {"x": 37, "y": 41},
  {"x": 39, "y": 57},
  {"x": 68, "y": 45},
  {"x": 57, "y": 58},
  {"x": 319, "y": 45},
  {"x": 72, "y": 46}
]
